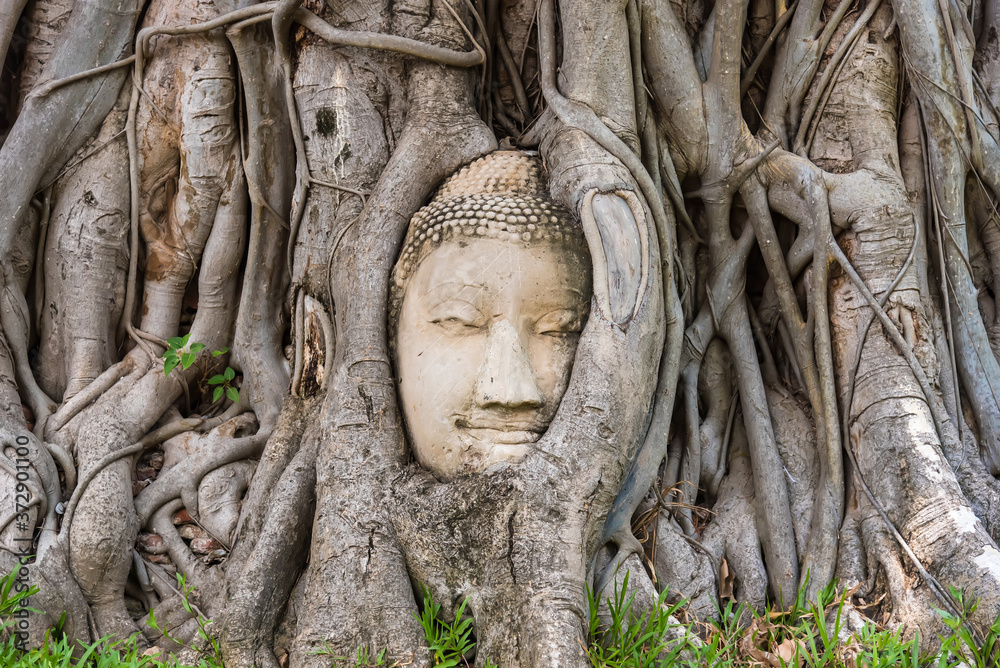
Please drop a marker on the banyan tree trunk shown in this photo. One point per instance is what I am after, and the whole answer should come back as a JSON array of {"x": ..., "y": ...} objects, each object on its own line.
[{"x": 788, "y": 373}]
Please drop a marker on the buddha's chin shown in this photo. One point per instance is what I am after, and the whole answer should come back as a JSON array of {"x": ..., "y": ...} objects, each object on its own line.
[
  {"x": 476, "y": 450},
  {"x": 503, "y": 452},
  {"x": 479, "y": 454}
]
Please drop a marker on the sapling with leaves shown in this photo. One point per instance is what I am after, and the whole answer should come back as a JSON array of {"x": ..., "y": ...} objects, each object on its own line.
[
  {"x": 222, "y": 381},
  {"x": 180, "y": 353},
  {"x": 209, "y": 645}
]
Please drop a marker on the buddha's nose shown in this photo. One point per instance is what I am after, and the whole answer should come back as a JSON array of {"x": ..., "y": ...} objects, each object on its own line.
[{"x": 506, "y": 378}]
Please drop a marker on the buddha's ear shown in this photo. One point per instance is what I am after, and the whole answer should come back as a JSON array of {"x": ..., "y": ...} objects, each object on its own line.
[{"x": 618, "y": 236}]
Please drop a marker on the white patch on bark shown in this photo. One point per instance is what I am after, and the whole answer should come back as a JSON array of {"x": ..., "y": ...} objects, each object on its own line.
[
  {"x": 963, "y": 518},
  {"x": 342, "y": 106},
  {"x": 920, "y": 426},
  {"x": 989, "y": 561}
]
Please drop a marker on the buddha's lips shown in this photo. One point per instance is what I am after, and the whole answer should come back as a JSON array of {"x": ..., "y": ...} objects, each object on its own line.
[
  {"x": 523, "y": 420},
  {"x": 503, "y": 436}
]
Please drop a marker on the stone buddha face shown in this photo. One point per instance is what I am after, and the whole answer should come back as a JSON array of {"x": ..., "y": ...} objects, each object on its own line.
[{"x": 487, "y": 316}]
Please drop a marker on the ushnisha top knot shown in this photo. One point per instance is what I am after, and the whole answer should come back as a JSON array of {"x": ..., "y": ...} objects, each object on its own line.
[
  {"x": 503, "y": 196},
  {"x": 510, "y": 173}
]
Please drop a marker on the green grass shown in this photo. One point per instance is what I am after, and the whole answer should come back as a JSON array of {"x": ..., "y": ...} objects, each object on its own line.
[
  {"x": 804, "y": 636},
  {"x": 58, "y": 652},
  {"x": 363, "y": 658},
  {"x": 642, "y": 640},
  {"x": 450, "y": 643}
]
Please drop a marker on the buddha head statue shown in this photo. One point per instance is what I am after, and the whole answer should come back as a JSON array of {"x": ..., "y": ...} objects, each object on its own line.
[{"x": 488, "y": 299}]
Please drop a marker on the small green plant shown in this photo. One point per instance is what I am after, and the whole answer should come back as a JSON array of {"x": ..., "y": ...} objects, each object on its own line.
[
  {"x": 222, "y": 382},
  {"x": 886, "y": 649},
  {"x": 806, "y": 635},
  {"x": 450, "y": 643},
  {"x": 976, "y": 652},
  {"x": 362, "y": 659},
  {"x": 634, "y": 641},
  {"x": 58, "y": 652},
  {"x": 211, "y": 646},
  {"x": 12, "y": 601},
  {"x": 181, "y": 353}
]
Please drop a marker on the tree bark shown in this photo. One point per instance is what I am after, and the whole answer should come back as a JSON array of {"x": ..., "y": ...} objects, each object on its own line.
[{"x": 788, "y": 372}]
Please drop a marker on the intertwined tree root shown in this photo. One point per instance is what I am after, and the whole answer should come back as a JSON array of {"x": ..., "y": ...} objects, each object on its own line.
[{"x": 803, "y": 388}]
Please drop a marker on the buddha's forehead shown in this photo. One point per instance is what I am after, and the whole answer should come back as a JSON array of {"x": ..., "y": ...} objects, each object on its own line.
[{"x": 488, "y": 269}]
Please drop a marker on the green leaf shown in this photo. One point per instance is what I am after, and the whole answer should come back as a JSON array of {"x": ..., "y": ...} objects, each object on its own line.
[
  {"x": 8, "y": 583},
  {"x": 217, "y": 379},
  {"x": 187, "y": 359},
  {"x": 229, "y": 373},
  {"x": 232, "y": 393},
  {"x": 169, "y": 365},
  {"x": 220, "y": 352},
  {"x": 175, "y": 342},
  {"x": 196, "y": 347},
  {"x": 216, "y": 394}
]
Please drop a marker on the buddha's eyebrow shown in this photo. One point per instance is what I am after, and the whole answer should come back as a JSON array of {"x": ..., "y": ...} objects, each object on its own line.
[
  {"x": 461, "y": 291},
  {"x": 433, "y": 304},
  {"x": 458, "y": 282},
  {"x": 567, "y": 290},
  {"x": 450, "y": 289}
]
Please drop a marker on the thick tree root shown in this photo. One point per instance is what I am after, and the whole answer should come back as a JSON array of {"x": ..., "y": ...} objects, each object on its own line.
[
  {"x": 279, "y": 546},
  {"x": 338, "y": 529}
]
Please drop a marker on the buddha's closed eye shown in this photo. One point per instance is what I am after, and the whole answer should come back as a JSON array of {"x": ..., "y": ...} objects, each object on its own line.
[
  {"x": 457, "y": 317},
  {"x": 560, "y": 323}
]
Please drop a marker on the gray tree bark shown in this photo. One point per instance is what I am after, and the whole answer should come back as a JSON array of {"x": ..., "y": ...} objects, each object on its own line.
[{"x": 804, "y": 386}]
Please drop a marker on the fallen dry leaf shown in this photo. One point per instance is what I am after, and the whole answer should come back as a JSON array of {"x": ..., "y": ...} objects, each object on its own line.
[
  {"x": 787, "y": 650},
  {"x": 726, "y": 578},
  {"x": 782, "y": 658},
  {"x": 765, "y": 658}
]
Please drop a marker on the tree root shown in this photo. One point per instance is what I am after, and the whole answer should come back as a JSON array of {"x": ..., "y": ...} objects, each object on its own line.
[
  {"x": 521, "y": 541},
  {"x": 182, "y": 481},
  {"x": 256, "y": 599}
]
